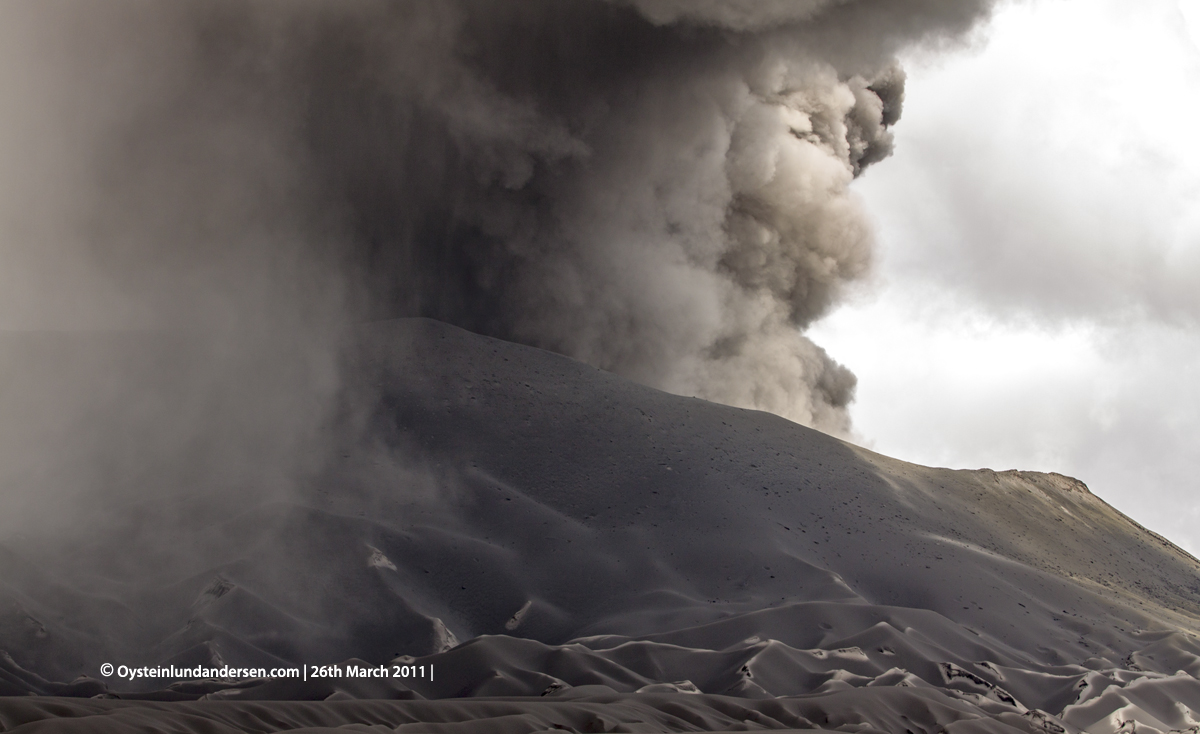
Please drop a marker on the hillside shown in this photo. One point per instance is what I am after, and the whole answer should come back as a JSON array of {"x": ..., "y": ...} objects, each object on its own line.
[{"x": 576, "y": 529}]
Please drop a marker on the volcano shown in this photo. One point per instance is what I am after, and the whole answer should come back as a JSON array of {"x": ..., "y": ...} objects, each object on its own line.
[{"x": 564, "y": 548}]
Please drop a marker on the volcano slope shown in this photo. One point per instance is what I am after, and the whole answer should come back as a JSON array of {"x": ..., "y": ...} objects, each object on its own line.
[{"x": 604, "y": 549}]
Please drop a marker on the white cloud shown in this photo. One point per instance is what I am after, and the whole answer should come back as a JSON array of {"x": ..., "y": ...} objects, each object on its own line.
[
  {"x": 1040, "y": 267},
  {"x": 1190, "y": 9}
]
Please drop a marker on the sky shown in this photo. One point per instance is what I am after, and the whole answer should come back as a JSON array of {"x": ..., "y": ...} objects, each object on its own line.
[{"x": 1036, "y": 290}]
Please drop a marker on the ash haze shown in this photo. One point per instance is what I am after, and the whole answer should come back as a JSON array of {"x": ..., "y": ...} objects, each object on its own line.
[
  {"x": 660, "y": 189},
  {"x": 1036, "y": 297},
  {"x": 230, "y": 442}
]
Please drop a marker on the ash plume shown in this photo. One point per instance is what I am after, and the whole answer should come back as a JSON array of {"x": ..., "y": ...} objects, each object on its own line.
[{"x": 657, "y": 187}]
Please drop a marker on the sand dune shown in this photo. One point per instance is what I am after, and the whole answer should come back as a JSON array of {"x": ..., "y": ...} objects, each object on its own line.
[{"x": 612, "y": 556}]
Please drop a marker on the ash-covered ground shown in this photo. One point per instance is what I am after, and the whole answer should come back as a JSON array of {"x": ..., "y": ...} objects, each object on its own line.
[{"x": 568, "y": 549}]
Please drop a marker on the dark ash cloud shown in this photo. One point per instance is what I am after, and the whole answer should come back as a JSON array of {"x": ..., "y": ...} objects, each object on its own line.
[{"x": 655, "y": 187}]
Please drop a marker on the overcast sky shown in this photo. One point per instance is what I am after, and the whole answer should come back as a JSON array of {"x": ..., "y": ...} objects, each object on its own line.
[{"x": 1037, "y": 289}]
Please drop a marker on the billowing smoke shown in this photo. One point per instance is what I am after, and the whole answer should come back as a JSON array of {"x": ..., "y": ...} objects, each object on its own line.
[
  {"x": 664, "y": 200},
  {"x": 658, "y": 187}
]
